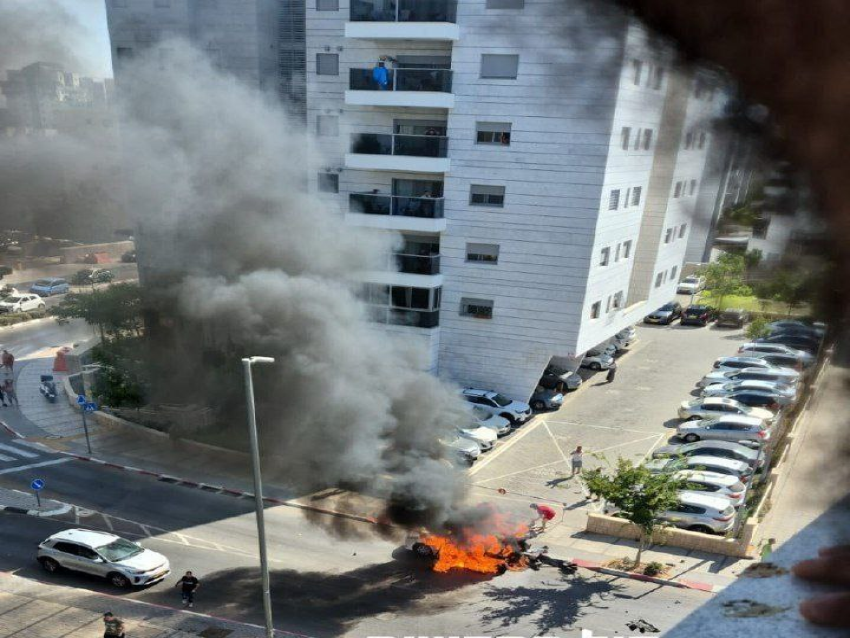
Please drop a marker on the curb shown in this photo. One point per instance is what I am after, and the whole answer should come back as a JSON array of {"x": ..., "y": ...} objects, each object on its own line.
[
  {"x": 672, "y": 582},
  {"x": 62, "y": 509},
  {"x": 174, "y": 480}
]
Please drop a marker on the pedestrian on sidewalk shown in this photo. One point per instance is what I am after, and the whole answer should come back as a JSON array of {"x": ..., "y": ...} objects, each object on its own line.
[
  {"x": 767, "y": 549},
  {"x": 577, "y": 460},
  {"x": 10, "y": 394},
  {"x": 113, "y": 626},
  {"x": 544, "y": 515},
  {"x": 612, "y": 372},
  {"x": 7, "y": 359},
  {"x": 189, "y": 586}
]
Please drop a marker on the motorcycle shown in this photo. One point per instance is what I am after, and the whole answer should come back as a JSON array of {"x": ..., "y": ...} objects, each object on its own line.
[{"x": 48, "y": 387}]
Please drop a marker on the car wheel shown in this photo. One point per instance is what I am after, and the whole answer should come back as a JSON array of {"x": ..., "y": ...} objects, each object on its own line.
[
  {"x": 510, "y": 418},
  {"x": 538, "y": 405},
  {"x": 119, "y": 580},
  {"x": 422, "y": 550},
  {"x": 691, "y": 438},
  {"x": 49, "y": 565},
  {"x": 702, "y": 529},
  {"x": 595, "y": 366}
]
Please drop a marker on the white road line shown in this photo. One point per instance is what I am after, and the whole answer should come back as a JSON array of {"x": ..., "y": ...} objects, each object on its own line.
[
  {"x": 528, "y": 469},
  {"x": 8, "y": 458},
  {"x": 517, "y": 436},
  {"x": 18, "y": 451},
  {"x": 107, "y": 522},
  {"x": 41, "y": 447},
  {"x": 646, "y": 438},
  {"x": 34, "y": 465},
  {"x": 598, "y": 427}
]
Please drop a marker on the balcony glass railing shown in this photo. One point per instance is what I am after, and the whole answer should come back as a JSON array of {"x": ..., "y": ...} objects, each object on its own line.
[
  {"x": 417, "y": 264},
  {"x": 412, "y": 145},
  {"x": 377, "y": 204},
  {"x": 403, "y": 10},
  {"x": 438, "y": 80},
  {"x": 414, "y": 318}
]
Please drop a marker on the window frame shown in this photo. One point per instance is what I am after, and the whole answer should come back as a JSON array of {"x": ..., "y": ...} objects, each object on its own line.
[
  {"x": 478, "y": 304},
  {"x": 637, "y": 71},
  {"x": 647, "y": 138},
  {"x": 627, "y": 249},
  {"x": 334, "y": 3},
  {"x": 605, "y": 256},
  {"x": 322, "y": 55},
  {"x": 596, "y": 309},
  {"x": 489, "y": 262},
  {"x": 614, "y": 199},
  {"x": 521, "y": 3},
  {"x": 481, "y": 74},
  {"x": 682, "y": 230},
  {"x": 625, "y": 137},
  {"x": 637, "y": 191},
  {"x": 487, "y": 203},
  {"x": 327, "y": 118},
  {"x": 333, "y": 177},
  {"x": 504, "y": 134}
]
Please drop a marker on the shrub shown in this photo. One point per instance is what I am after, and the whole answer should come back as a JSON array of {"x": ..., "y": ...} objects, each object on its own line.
[
  {"x": 653, "y": 569},
  {"x": 757, "y": 328}
]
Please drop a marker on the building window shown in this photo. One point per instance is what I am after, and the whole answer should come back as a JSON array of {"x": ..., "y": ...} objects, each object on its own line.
[
  {"x": 627, "y": 249},
  {"x": 498, "y": 133},
  {"x": 328, "y": 183},
  {"x": 693, "y": 186},
  {"x": 636, "y": 195},
  {"x": 162, "y": 4},
  {"x": 673, "y": 272},
  {"x": 480, "y": 195},
  {"x": 505, "y": 4},
  {"x": 478, "y": 308},
  {"x": 618, "y": 300},
  {"x": 596, "y": 310},
  {"x": 689, "y": 140},
  {"x": 647, "y": 139},
  {"x": 327, "y": 5},
  {"x": 637, "y": 69},
  {"x": 499, "y": 67},
  {"x": 123, "y": 53},
  {"x": 637, "y": 139},
  {"x": 626, "y": 198},
  {"x": 659, "y": 77},
  {"x": 701, "y": 139},
  {"x": 614, "y": 199},
  {"x": 605, "y": 257},
  {"x": 668, "y": 236},
  {"x": 327, "y": 126},
  {"x": 625, "y": 134},
  {"x": 659, "y": 279},
  {"x": 486, "y": 253},
  {"x": 608, "y": 304},
  {"x": 678, "y": 190},
  {"x": 682, "y": 230},
  {"x": 617, "y": 253},
  {"x": 327, "y": 64}
]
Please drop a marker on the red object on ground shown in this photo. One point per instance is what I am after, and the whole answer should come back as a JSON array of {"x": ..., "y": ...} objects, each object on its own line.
[
  {"x": 60, "y": 363},
  {"x": 546, "y": 512}
]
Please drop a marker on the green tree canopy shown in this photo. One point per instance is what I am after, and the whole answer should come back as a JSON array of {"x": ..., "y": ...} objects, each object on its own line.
[
  {"x": 115, "y": 310},
  {"x": 725, "y": 277}
]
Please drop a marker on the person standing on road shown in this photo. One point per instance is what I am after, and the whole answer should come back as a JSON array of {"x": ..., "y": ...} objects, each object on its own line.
[
  {"x": 113, "y": 627},
  {"x": 612, "y": 372},
  {"x": 8, "y": 393},
  {"x": 8, "y": 359},
  {"x": 189, "y": 586},
  {"x": 577, "y": 460}
]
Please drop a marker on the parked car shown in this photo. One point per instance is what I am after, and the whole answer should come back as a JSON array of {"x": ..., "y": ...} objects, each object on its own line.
[
  {"x": 691, "y": 285},
  {"x": 732, "y": 318},
  {"x": 786, "y": 361},
  {"x": 781, "y": 376},
  {"x": 557, "y": 378},
  {"x": 544, "y": 399},
  {"x": 732, "y": 428},
  {"x": 129, "y": 257},
  {"x": 21, "y": 303},
  {"x": 484, "y": 437},
  {"x": 799, "y": 342},
  {"x": 753, "y": 349},
  {"x": 723, "y": 485},
  {"x": 48, "y": 287},
  {"x": 516, "y": 412},
  {"x": 787, "y": 325},
  {"x": 465, "y": 450},
  {"x": 666, "y": 314},
  {"x": 702, "y": 462},
  {"x": 725, "y": 364},
  {"x": 698, "y": 512},
  {"x": 710, "y": 407},
  {"x": 122, "y": 562},
  {"x": 697, "y": 315},
  {"x": 757, "y": 399},
  {"x": 597, "y": 360},
  {"x": 798, "y": 331},
  {"x": 723, "y": 449},
  {"x": 624, "y": 339},
  {"x": 500, "y": 425},
  {"x": 89, "y": 276},
  {"x": 782, "y": 394}
]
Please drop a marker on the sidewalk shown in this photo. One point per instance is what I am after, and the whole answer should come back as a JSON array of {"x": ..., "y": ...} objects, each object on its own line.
[
  {"x": 32, "y": 609},
  {"x": 26, "y": 503}
]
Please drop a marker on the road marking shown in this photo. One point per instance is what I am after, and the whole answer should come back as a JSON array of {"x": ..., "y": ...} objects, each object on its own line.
[
  {"x": 518, "y": 436},
  {"x": 18, "y": 451},
  {"x": 34, "y": 465},
  {"x": 8, "y": 458},
  {"x": 598, "y": 427},
  {"x": 555, "y": 441}
]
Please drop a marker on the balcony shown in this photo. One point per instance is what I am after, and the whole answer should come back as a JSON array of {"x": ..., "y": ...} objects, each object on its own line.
[
  {"x": 396, "y": 213},
  {"x": 403, "y": 20},
  {"x": 417, "y": 264},
  {"x": 412, "y": 318},
  {"x": 385, "y": 152},
  {"x": 421, "y": 88}
]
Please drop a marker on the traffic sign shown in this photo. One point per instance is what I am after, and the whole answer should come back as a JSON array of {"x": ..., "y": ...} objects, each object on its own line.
[
  {"x": 81, "y": 400},
  {"x": 37, "y": 484},
  {"x": 90, "y": 407}
]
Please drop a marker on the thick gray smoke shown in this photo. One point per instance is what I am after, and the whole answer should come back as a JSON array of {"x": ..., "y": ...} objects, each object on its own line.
[{"x": 216, "y": 173}]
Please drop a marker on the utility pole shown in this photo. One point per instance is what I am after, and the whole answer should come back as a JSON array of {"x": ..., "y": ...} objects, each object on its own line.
[{"x": 258, "y": 488}]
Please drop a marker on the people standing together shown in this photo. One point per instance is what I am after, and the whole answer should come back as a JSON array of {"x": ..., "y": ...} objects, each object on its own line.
[{"x": 8, "y": 395}]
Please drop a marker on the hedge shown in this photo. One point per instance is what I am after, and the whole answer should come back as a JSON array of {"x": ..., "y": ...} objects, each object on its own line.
[{"x": 11, "y": 318}]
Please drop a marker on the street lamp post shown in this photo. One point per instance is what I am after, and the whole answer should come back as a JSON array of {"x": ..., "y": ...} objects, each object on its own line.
[{"x": 258, "y": 488}]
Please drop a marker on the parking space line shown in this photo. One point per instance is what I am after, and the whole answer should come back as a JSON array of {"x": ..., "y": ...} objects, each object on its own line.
[
  {"x": 555, "y": 441},
  {"x": 34, "y": 465},
  {"x": 528, "y": 469},
  {"x": 517, "y": 436},
  {"x": 598, "y": 427},
  {"x": 611, "y": 447},
  {"x": 18, "y": 451}
]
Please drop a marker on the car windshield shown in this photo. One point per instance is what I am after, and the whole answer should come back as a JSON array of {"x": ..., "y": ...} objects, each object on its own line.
[
  {"x": 500, "y": 400},
  {"x": 690, "y": 280},
  {"x": 43, "y": 282},
  {"x": 119, "y": 550},
  {"x": 14, "y": 299}
]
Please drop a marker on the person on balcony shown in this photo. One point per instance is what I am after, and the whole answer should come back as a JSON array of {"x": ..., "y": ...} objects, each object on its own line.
[{"x": 381, "y": 76}]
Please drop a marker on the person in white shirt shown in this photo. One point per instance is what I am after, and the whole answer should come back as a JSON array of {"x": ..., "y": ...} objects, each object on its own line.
[{"x": 576, "y": 458}]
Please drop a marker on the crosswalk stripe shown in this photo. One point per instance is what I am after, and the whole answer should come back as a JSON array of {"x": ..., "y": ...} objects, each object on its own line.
[
  {"x": 27, "y": 467},
  {"x": 18, "y": 451},
  {"x": 7, "y": 458}
]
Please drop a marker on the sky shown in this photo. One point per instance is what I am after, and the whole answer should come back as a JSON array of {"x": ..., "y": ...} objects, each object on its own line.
[{"x": 92, "y": 15}]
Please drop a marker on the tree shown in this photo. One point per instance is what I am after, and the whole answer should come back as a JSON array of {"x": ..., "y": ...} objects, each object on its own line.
[
  {"x": 791, "y": 287},
  {"x": 115, "y": 310},
  {"x": 639, "y": 495},
  {"x": 726, "y": 277},
  {"x": 757, "y": 328}
]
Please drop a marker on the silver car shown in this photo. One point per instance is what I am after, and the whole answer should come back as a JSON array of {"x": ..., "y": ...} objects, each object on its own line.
[
  {"x": 780, "y": 394},
  {"x": 500, "y": 425},
  {"x": 726, "y": 364},
  {"x": 122, "y": 562},
  {"x": 780, "y": 376},
  {"x": 722, "y": 485},
  {"x": 748, "y": 453},
  {"x": 463, "y": 449},
  {"x": 753, "y": 349},
  {"x": 702, "y": 462},
  {"x": 598, "y": 358},
  {"x": 710, "y": 407},
  {"x": 544, "y": 399},
  {"x": 725, "y": 428},
  {"x": 699, "y": 512}
]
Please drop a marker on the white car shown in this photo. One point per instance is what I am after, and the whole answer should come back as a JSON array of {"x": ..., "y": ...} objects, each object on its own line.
[
  {"x": 697, "y": 512},
  {"x": 732, "y": 428},
  {"x": 727, "y": 364},
  {"x": 500, "y": 425},
  {"x": 463, "y": 448},
  {"x": 625, "y": 338},
  {"x": 780, "y": 376},
  {"x": 484, "y": 437},
  {"x": 122, "y": 562},
  {"x": 691, "y": 285},
  {"x": 753, "y": 349},
  {"x": 781, "y": 394},
  {"x": 599, "y": 358},
  {"x": 702, "y": 462},
  {"x": 22, "y": 303},
  {"x": 516, "y": 412},
  {"x": 710, "y": 407},
  {"x": 715, "y": 484}
]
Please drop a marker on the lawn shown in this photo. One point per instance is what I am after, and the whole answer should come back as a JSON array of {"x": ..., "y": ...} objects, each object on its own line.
[{"x": 753, "y": 304}]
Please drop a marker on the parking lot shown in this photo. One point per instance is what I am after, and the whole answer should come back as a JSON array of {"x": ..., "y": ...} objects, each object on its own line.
[{"x": 627, "y": 418}]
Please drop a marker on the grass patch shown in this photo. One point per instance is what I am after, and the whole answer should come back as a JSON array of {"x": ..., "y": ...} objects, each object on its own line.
[{"x": 753, "y": 304}]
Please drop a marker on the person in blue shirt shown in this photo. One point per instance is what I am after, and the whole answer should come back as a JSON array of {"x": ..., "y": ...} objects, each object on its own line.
[{"x": 381, "y": 76}]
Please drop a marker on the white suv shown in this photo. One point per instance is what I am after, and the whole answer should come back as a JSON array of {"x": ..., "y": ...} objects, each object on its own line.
[
  {"x": 21, "y": 303},
  {"x": 704, "y": 513},
  {"x": 516, "y": 412},
  {"x": 122, "y": 562}
]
